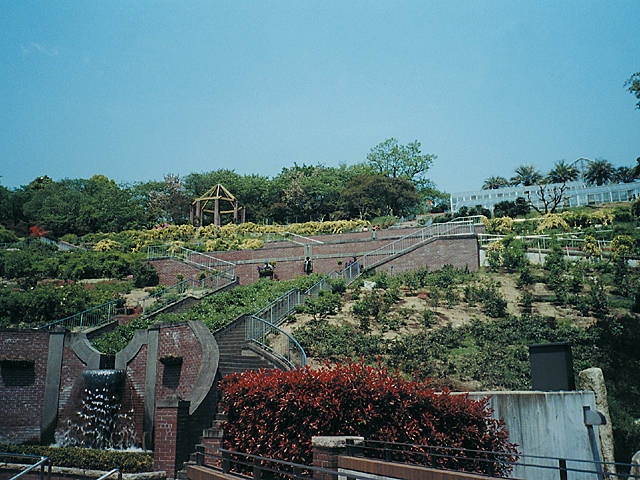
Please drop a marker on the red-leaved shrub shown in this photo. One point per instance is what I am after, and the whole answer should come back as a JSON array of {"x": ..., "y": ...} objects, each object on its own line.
[{"x": 274, "y": 413}]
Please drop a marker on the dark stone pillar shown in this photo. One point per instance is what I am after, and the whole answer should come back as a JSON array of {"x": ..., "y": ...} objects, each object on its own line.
[{"x": 52, "y": 386}]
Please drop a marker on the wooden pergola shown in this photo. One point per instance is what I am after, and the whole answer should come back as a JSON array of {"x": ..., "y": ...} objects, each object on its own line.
[{"x": 215, "y": 195}]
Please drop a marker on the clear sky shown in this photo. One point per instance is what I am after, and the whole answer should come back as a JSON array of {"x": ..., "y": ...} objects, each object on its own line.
[{"x": 138, "y": 89}]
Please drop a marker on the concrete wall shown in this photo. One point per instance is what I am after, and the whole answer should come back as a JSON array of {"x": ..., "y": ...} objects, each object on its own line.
[{"x": 547, "y": 424}]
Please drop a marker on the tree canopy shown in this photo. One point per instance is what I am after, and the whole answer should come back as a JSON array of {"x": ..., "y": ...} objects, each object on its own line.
[
  {"x": 394, "y": 160},
  {"x": 633, "y": 84}
]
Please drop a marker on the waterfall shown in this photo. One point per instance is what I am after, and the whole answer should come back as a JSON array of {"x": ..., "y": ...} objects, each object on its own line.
[{"x": 100, "y": 421}]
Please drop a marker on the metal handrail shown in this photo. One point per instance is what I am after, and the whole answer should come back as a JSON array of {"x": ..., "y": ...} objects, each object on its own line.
[
  {"x": 186, "y": 255},
  {"x": 409, "y": 241},
  {"x": 265, "y": 334},
  {"x": 109, "y": 473},
  {"x": 234, "y": 461},
  {"x": 91, "y": 317},
  {"x": 543, "y": 242},
  {"x": 44, "y": 461},
  {"x": 182, "y": 289}
]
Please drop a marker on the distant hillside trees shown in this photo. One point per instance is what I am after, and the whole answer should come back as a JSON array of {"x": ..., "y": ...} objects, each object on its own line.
[{"x": 300, "y": 193}]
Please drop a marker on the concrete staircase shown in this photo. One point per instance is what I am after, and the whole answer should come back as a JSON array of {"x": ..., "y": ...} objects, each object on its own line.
[{"x": 238, "y": 355}]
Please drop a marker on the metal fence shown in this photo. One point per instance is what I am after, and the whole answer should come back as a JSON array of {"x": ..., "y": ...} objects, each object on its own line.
[
  {"x": 275, "y": 340},
  {"x": 174, "y": 293},
  {"x": 43, "y": 464},
  {"x": 457, "y": 227},
  {"x": 106, "y": 312},
  {"x": 494, "y": 464},
  {"x": 571, "y": 245},
  {"x": 91, "y": 317},
  {"x": 202, "y": 260},
  {"x": 264, "y": 330}
]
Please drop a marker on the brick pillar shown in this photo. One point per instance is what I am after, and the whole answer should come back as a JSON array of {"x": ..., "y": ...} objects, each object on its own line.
[
  {"x": 211, "y": 442},
  {"x": 169, "y": 421},
  {"x": 325, "y": 454}
]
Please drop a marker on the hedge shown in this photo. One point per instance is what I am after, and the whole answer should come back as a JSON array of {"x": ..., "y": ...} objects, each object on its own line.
[
  {"x": 275, "y": 413},
  {"x": 75, "y": 457}
]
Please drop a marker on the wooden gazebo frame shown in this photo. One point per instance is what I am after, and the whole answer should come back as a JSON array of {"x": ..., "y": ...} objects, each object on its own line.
[{"x": 216, "y": 194}]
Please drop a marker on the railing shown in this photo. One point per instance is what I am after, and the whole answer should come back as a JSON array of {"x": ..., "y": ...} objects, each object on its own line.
[
  {"x": 110, "y": 473},
  {"x": 544, "y": 242},
  {"x": 92, "y": 317},
  {"x": 180, "y": 290},
  {"x": 406, "y": 458},
  {"x": 408, "y": 241},
  {"x": 106, "y": 312},
  {"x": 192, "y": 257},
  {"x": 517, "y": 465},
  {"x": 276, "y": 311},
  {"x": 474, "y": 219},
  {"x": 264, "y": 329},
  {"x": 41, "y": 463},
  {"x": 275, "y": 340}
]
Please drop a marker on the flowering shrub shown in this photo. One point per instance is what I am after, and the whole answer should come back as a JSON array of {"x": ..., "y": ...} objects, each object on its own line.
[
  {"x": 275, "y": 413},
  {"x": 499, "y": 226},
  {"x": 552, "y": 221}
]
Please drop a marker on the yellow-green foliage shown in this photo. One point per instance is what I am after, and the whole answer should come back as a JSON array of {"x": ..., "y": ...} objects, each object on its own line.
[
  {"x": 603, "y": 216},
  {"x": 106, "y": 245},
  {"x": 226, "y": 237},
  {"x": 622, "y": 246},
  {"x": 582, "y": 218},
  {"x": 552, "y": 221},
  {"x": 499, "y": 226},
  {"x": 590, "y": 246},
  {"x": 251, "y": 244}
]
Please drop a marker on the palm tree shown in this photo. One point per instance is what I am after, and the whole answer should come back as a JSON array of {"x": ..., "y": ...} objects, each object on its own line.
[
  {"x": 526, "y": 175},
  {"x": 623, "y": 175},
  {"x": 493, "y": 183},
  {"x": 599, "y": 172},
  {"x": 562, "y": 173}
]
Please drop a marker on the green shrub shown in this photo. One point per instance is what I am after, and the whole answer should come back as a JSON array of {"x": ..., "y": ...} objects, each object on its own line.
[
  {"x": 84, "y": 458},
  {"x": 327, "y": 303}
]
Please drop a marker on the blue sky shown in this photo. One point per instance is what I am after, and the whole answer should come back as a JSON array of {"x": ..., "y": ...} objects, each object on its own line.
[{"x": 138, "y": 89}]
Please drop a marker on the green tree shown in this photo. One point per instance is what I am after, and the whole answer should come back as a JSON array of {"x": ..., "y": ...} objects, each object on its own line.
[
  {"x": 599, "y": 172},
  {"x": 562, "y": 173},
  {"x": 255, "y": 193},
  {"x": 169, "y": 203},
  {"x": 526, "y": 175},
  {"x": 368, "y": 196},
  {"x": 624, "y": 175},
  {"x": 634, "y": 86},
  {"x": 493, "y": 183},
  {"x": 305, "y": 192},
  {"x": 80, "y": 206},
  {"x": 393, "y": 160}
]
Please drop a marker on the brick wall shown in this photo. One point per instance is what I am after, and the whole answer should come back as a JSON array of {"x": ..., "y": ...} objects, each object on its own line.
[
  {"x": 70, "y": 381},
  {"x": 460, "y": 252},
  {"x": 289, "y": 257},
  {"x": 177, "y": 378},
  {"x": 171, "y": 426},
  {"x": 22, "y": 384},
  {"x": 168, "y": 271}
]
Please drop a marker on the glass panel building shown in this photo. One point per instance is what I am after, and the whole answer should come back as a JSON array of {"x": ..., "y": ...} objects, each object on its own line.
[{"x": 575, "y": 195}]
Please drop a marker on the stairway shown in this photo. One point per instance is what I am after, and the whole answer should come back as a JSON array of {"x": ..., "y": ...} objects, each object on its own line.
[{"x": 237, "y": 354}]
